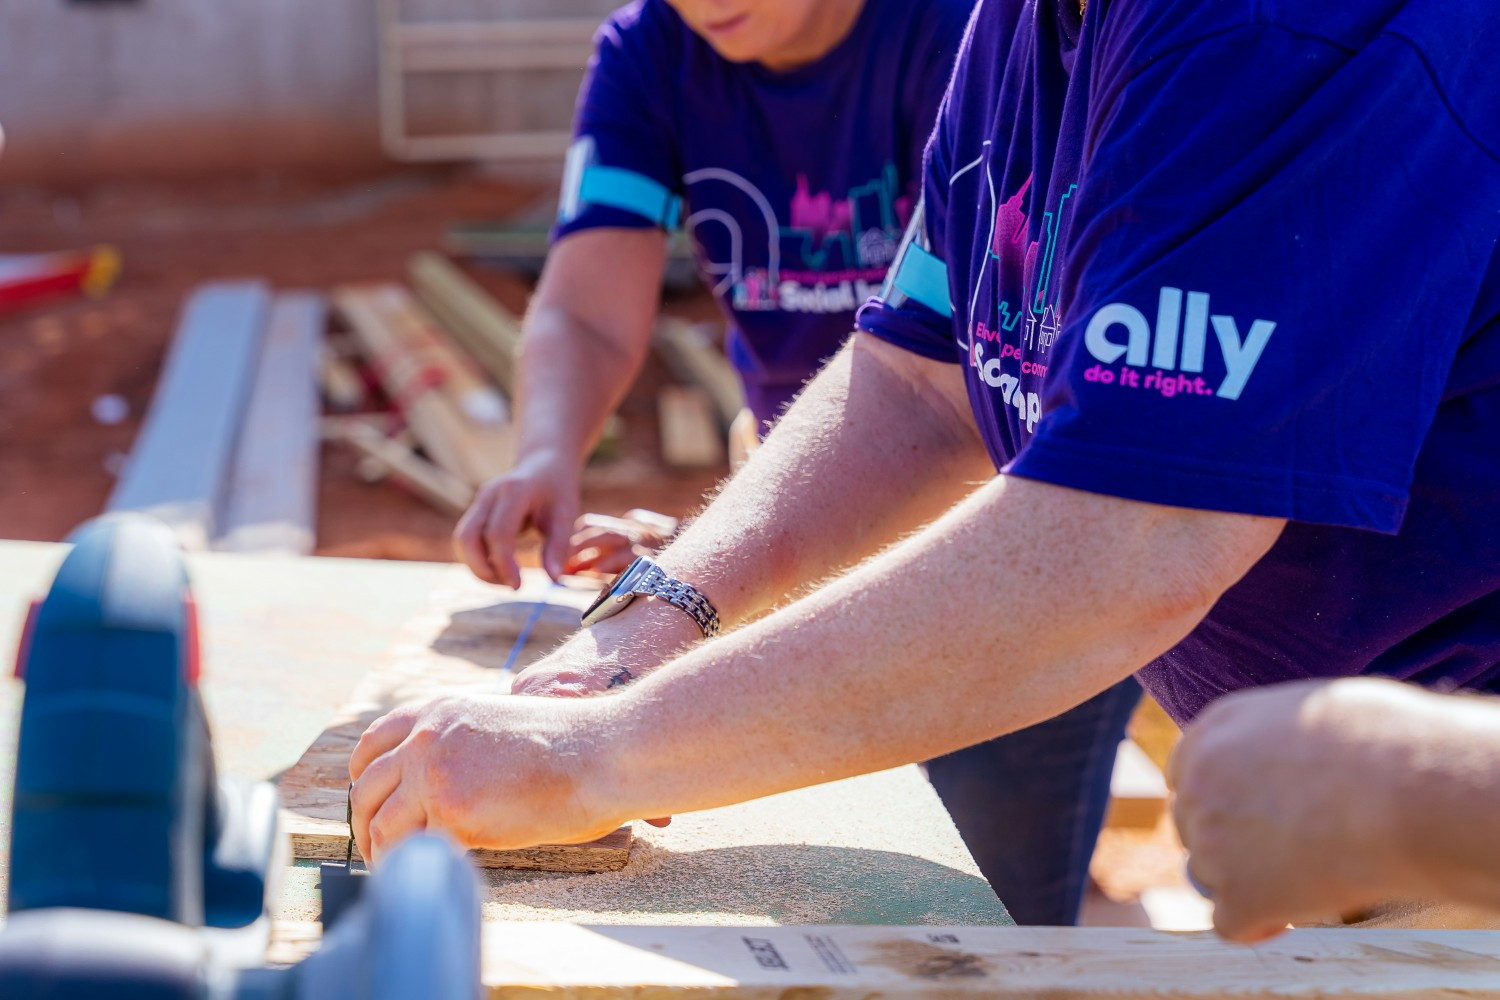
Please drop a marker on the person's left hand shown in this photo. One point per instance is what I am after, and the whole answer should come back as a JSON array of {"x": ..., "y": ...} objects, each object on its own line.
[
  {"x": 492, "y": 771},
  {"x": 604, "y": 544},
  {"x": 1285, "y": 797}
]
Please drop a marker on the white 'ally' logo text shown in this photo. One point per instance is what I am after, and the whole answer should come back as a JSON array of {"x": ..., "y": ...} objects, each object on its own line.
[{"x": 1177, "y": 344}]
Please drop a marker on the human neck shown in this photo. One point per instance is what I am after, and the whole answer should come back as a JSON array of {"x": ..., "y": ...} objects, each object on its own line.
[{"x": 828, "y": 26}]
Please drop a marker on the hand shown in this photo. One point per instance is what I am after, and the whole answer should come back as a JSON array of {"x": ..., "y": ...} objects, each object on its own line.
[
  {"x": 610, "y": 655},
  {"x": 606, "y": 544},
  {"x": 491, "y": 771},
  {"x": 1288, "y": 798},
  {"x": 540, "y": 492}
]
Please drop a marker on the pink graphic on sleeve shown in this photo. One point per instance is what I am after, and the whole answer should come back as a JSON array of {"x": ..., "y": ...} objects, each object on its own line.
[
  {"x": 820, "y": 212},
  {"x": 1010, "y": 244}
]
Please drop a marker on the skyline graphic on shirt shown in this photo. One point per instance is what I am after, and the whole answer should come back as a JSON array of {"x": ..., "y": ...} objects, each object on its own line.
[
  {"x": 1028, "y": 264},
  {"x": 830, "y": 256}
]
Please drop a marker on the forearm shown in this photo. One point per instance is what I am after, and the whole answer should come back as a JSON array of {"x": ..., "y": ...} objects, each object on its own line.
[
  {"x": 1444, "y": 796},
  {"x": 874, "y": 447},
  {"x": 572, "y": 378},
  {"x": 964, "y": 632}
]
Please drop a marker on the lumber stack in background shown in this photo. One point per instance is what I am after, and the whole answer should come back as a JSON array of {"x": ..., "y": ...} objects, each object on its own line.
[
  {"x": 180, "y": 461},
  {"x": 272, "y": 496},
  {"x": 430, "y": 383},
  {"x": 485, "y": 408},
  {"x": 490, "y": 332},
  {"x": 390, "y": 457},
  {"x": 696, "y": 360},
  {"x": 690, "y": 435}
]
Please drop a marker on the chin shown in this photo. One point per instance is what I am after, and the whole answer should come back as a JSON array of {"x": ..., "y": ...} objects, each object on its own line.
[{"x": 738, "y": 53}]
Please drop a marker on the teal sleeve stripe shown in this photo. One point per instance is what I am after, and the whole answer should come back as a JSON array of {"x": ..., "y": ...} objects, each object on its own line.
[
  {"x": 630, "y": 192},
  {"x": 923, "y": 277}
]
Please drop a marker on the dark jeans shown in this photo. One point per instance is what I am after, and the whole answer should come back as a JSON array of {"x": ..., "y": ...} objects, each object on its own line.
[{"x": 1030, "y": 805}]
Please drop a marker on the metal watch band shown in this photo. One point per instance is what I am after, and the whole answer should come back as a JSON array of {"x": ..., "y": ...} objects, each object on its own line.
[{"x": 656, "y": 583}]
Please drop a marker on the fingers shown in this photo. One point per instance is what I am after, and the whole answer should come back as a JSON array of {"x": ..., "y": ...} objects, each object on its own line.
[
  {"x": 1246, "y": 912},
  {"x": 598, "y": 548},
  {"x": 1243, "y": 930},
  {"x": 559, "y": 530},
  {"x": 485, "y": 538},
  {"x": 612, "y": 562},
  {"x": 501, "y": 527},
  {"x": 599, "y": 536},
  {"x": 369, "y": 793},
  {"x": 385, "y": 734},
  {"x": 660, "y": 821},
  {"x": 399, "y": 816},
  {"x": 655, "y": 527},
  {"x": 468, "y": 537}
]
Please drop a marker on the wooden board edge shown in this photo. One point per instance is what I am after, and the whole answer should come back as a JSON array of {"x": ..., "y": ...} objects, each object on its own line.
[
  {"x": 325, "y": 840},
  {"x": 561, "y": 960}
]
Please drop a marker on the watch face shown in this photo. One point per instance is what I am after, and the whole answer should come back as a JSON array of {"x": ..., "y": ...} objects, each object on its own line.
[{"x": 617, "y": 593}]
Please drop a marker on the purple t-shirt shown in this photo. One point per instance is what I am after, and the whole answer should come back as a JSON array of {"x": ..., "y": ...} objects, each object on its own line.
[
  {"x": 797, "y": 185},
  {"x": 1241, "y": 256}
]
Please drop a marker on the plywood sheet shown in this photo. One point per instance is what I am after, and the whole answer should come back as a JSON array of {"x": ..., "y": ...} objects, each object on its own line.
[
  {"x": 314, "y": 791},
  {"x": 286, "y": 640}
]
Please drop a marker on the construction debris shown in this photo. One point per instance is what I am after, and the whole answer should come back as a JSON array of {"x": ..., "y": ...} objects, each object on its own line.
[
  {"x": 28, "y": 278},
  {"x": 485, "y": 328}
]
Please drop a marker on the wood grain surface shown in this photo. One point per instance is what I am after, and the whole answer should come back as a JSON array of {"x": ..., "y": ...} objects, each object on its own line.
[
  {"x": 463, "y": 652},
  {"x": 1025, "y": 963}
]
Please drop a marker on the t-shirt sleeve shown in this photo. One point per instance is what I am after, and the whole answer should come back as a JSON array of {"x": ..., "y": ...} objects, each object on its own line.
[
  {"x": 624, "y": 124},
  {"x": 914, "y": 309},
  {"x": 1275, "y": 248}
]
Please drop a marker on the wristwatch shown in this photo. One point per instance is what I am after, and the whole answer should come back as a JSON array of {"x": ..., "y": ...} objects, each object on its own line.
[{"x": 643, "y": 578}]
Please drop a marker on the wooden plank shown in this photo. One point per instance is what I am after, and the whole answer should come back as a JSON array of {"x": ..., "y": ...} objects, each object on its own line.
[
  {"x": 180, "y": 462},
  {"x": 485, "y": 328},
  {"x": 314, "y": 791},
  {"x": 696, "y": 360},
  {"x": 444, "y": 491},
  {"x": 343, "y": 388},
  {"x": 428, "y": 381},
  {"x": 1137, "y": 790},
  {"x": 491, "y": 438},
  {"x": 573, "y": 962},
  {"x": 273, "y": 487},
  {"x": 690, "y": 436}
]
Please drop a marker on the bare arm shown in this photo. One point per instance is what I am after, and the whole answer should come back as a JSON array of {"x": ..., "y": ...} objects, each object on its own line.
[
  {"x": 972, "y": 628},
  {"x": 881, "y": 442},
  {"x": 586, "y": 337}
]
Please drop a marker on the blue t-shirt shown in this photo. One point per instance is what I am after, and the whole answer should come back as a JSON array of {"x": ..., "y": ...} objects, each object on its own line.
[
  {"x": 1240, "y": 255},
  {"x": 797, "y": 186}
]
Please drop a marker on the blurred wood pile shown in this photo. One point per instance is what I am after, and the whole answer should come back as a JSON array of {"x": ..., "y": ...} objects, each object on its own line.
[{"x": 417, "y": 379}]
